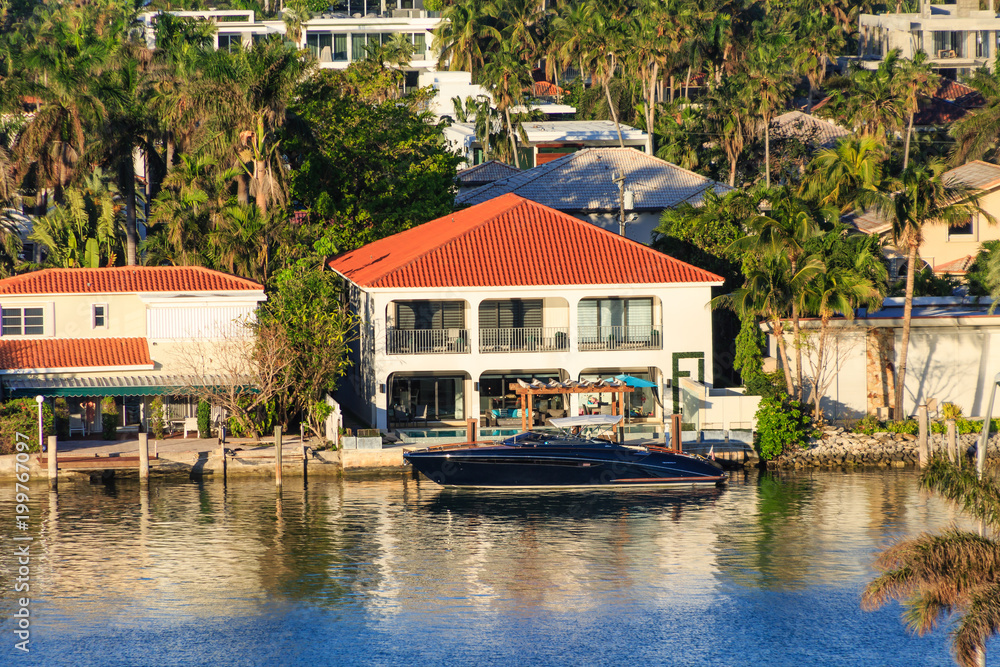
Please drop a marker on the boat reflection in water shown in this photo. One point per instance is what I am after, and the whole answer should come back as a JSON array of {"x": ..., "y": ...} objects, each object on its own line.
[{"x": 576, "y": 457}]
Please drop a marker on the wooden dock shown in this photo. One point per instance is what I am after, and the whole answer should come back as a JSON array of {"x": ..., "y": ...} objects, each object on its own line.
[{"x": 95, "y": 462}]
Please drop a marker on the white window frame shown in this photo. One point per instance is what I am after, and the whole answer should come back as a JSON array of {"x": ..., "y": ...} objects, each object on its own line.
[
  {"x": 21, "y": 309},
  {"x": 93, "y": 316}
]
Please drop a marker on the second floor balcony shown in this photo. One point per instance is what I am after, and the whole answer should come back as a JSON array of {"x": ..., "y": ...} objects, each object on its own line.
[
  {"x": 524, "y": 339},
  {"x": 427, "y": 341},
  {"x": 644, "y": 337}
]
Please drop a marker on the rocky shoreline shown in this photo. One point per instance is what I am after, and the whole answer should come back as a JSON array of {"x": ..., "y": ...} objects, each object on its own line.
[{"x": 837, "y": 448}]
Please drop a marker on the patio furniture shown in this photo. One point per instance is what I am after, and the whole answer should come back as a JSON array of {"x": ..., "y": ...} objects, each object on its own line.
[
  {"x": 190, "y": 424},
  {"x": 421, "y": 414},
  {"x": 76, "y": 425}
]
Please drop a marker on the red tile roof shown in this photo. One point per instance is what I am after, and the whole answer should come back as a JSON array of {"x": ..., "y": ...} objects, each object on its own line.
[
  {"x": 546, "y": 89},
  {"x": 125, "y": 279},
  {"x": 956, "y": 266},
  {"x": 510, "y": 241},
  {"x": 20, "y": 353}
]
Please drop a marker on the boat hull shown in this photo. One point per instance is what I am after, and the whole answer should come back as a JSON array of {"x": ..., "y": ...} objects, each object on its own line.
[{"x": 529, "y": 467}]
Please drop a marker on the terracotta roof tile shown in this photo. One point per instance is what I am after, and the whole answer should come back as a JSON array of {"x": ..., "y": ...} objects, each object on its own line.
[
  {"x": 546, "y": 89},
  {"x": 581, "y": 181},
  {"x": 961, "y": 94},
  {"x": 510, "y": 241},
  {"x": 956, "y": 266},
  {"x": 20, "y": 353},
  {"x": 125, "y": 279}
]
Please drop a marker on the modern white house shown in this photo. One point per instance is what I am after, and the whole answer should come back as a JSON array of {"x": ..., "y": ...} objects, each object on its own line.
[
  {"x": 953, "y": 356},
  {"x": 957, "y": 37},
  {"x": 550, "y": 139},
  {"x": 336, "y": 39},
  {"x": 453, "y": 311},
  {"x": 582, "y": 183},
  {"x": 130, "y": 333}
]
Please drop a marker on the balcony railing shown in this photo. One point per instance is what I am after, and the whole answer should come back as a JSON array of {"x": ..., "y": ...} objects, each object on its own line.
[
  {"x": 620, "y": 338},
  {"x": 427, "y": 341},
  {"x": 525, "y": 339}
]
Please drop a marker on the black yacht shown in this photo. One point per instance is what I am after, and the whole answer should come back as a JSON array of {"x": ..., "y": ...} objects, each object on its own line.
[{"x": 574, "y": 457}]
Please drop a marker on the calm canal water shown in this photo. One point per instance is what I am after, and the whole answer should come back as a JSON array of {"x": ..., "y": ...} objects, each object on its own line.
[{"x": 393, "y": 571}]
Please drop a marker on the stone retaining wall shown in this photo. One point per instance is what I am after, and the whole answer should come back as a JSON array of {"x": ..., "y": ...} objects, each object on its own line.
[{"x": 839, "y": 448}]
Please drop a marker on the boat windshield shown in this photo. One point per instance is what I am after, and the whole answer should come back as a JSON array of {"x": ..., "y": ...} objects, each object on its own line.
[{"x": 584, "y": 427}]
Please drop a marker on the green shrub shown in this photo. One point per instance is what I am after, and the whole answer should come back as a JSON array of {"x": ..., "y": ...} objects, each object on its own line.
[
  {"x": 204, "y": 419},
  {"x": 781, "y": 424},
  {"x": 109, "y": 418},
  {"x": 20, "y": 415},
  {"x": 60, "y": 417},
  {"x": 157, "y": 424},
  {"x": 950, "y": 411}
]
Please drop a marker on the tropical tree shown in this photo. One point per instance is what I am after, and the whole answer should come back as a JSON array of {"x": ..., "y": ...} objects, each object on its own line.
[
  {"x": 768, "y": 74},
  {"x": 836, "y": 176},
  {"x": 506, "y": 76},
  {"x": 915, "y": 78},
  {"x": 951, "y": 575},
  {"x": 874, "y": 106},
  {"x": 467, "y": 33},
  {"x": 843, "y": 286},
  {"x": 819, "y": 38},
  {"x": 728, "y": 115},
  {"x": 784, "y": 229},
  {"x": 977, "y": 134},
  {"x": 919, "y": 197},
  {"x": 767, "y": 293},
  {"x": 602, "y": 50}
]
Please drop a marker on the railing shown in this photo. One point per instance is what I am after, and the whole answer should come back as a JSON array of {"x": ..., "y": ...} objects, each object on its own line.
[
  {"x": 620, "y": 338},
  {"x": 525, "y": 339},
  {"x": 427, "y": 341}
]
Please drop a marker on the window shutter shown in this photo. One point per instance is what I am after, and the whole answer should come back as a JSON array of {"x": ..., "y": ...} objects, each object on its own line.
[
  {"x": 453, "y": 314},
  {"x": 507, "y": 313},
  {"x": 532, "y": 313},
  {"x": 488, "y": 318},
  {"x": 406, "y": 317},
  {"x": 640, "y": 312},
  {"x": 612, "y": 312},
  {"x": 586, "y": 313}
]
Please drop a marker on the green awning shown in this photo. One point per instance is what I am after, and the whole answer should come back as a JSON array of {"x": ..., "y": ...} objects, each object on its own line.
[{"x": 144, "y": 385}]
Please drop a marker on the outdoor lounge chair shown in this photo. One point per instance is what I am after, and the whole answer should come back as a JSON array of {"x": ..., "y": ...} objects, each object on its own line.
[{"x": 76, "y": 425}]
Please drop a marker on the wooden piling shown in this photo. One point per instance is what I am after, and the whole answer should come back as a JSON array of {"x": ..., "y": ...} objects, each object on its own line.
[
  {"x": 675, "y": 432},
  {"x": 53, "y": 463},
  {"x": 277, "y": 456},
  {"x": 222, "y": 455},
  {"x": 144, "y": 457},
  {"x": 952, "y": 439},
  {"x": 471, "y": 425},
  {"x": 922, "y": 451}
]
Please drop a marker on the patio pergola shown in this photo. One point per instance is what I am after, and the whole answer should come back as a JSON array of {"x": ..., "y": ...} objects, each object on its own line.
[{"x": 526, "y": 391}]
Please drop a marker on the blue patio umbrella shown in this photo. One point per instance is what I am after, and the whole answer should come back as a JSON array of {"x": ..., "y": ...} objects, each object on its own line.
[{"x": 633, "y": 381}]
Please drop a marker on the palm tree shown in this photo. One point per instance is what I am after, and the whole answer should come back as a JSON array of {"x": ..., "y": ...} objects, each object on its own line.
[
  {"x": 915, "y": 78},
  {"x": 506, "y": 76},
  {"x": 785, "y": 229},
  {"x": 768, "y": 73},
  {"x": 650, "y": 51},
  {"x": 602, "y": 51},
  {"x": 874, "y": 105},
  {"x": 819, "y": 38},
  {"x": 837, "y": 175},
  {"x": 766, "y": 294},
  {"x": 466, "y": 34},
  {"x": 955, "y": 573},
  {"x": 728, "y": 114},
  {"x": 295, "y": 14},
  {"x": 919, "y": 197},
  {"x": 977, "y": 134},
  {"x": 841, "y": 288}
]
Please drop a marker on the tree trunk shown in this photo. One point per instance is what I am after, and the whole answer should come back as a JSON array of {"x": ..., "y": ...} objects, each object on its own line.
[
  {"x": 911, "y": 261},
  {"x": 795, "y": 335},
  {"x": 671, "y": 88},
  {"x": 513, "y": 138},
  {"x": 767, "y": 152},
  {"x": 687, "y": 83},
  {"x": 651, "y": 109},
  {"x": 779, "y": 334},
  {"x": 243, "y": 188},
  {"x": 819, "y": 368},
  {"x": 260, "y": 178},
  {"x": 128, "y": 185},
  {"x": 732, "y": 172},
  {"x": 906, "y": 145},
  {"x": 614, "y": 113},
  {"x": 809, "y": 102}
]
